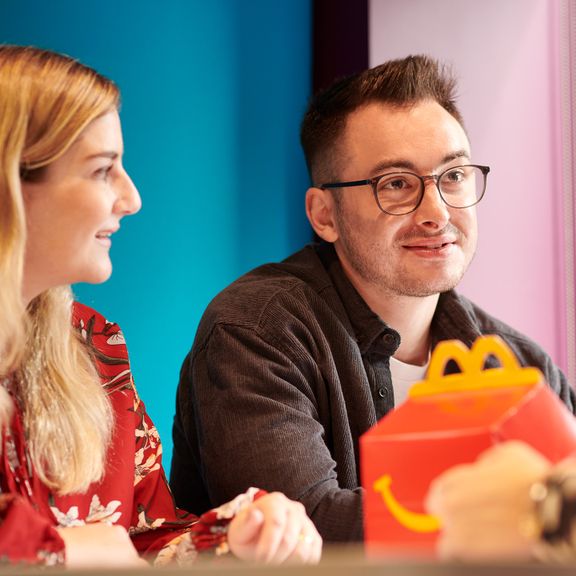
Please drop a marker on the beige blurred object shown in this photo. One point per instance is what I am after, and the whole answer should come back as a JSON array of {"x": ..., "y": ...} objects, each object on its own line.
[
  {"x": 554, "y": 500},
  {"x": 337, "y": 561},
  {"x": 484, "y": 506}
]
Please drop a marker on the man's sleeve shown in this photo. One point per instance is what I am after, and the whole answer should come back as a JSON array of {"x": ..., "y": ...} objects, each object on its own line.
[{"x": 249, "y": 411}]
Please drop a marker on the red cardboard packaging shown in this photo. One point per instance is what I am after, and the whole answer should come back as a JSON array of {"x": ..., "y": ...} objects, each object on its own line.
[{"x": 448, "y": 420}]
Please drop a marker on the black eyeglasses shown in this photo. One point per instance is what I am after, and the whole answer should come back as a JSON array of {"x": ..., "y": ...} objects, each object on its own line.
[{"x": 399, "y": 193}]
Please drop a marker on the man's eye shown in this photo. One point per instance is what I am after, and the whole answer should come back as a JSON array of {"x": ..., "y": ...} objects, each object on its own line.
[
  {"x": 455, "y": 176},
  {"x": 396, "y": 184}
]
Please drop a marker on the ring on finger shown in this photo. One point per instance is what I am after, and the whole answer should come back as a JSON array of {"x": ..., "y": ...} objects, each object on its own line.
[{"x": 305, "y": 538}]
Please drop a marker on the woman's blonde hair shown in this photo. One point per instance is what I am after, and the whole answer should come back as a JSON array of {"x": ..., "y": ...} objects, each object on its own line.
[{"x": 46, "y": 101}]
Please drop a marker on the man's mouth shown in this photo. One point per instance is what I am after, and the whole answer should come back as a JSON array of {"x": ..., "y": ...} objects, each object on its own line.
[{"x": 428, "y": 245}]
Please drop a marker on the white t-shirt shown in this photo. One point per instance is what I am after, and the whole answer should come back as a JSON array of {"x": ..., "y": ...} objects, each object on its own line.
[{"x": 403, "y": 377}]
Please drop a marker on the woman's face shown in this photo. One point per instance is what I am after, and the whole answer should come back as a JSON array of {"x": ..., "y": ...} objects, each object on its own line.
[{"x": 73, "y": 210}]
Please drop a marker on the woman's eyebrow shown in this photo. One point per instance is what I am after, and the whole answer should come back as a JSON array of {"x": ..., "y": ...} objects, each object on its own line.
[{"x": 112, "y": 154}]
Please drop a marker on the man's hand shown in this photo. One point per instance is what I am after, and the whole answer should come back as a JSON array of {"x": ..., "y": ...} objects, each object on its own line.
[{"x": 275, "y": 529}]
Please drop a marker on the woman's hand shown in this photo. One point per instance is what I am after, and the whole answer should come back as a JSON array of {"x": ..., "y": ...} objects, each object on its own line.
[
  {"x": 483, "y": 506},
  {"x": 99, "y": 545},
  {"x": 274, "y": 529}
]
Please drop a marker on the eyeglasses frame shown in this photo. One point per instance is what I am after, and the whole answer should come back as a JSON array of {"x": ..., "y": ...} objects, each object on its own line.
[{"x": 373, "y": 182}]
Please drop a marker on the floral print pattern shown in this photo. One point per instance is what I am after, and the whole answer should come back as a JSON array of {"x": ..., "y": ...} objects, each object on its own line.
[
  {"x": 133, "y": 493},
  {"x": 97, "y": 513}
]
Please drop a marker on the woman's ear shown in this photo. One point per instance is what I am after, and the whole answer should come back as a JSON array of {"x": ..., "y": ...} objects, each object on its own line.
[{"x": 320, "y": 212}]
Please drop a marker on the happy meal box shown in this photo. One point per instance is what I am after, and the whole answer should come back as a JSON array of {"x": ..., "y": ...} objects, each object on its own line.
[{"x": 449, "y": 420}]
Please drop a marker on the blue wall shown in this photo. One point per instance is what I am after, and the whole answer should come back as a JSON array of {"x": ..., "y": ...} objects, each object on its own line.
[{"x": 213, "y": 93}]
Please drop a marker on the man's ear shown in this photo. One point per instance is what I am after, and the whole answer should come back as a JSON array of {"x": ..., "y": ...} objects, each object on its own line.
[{"x": 320, "y": 212}]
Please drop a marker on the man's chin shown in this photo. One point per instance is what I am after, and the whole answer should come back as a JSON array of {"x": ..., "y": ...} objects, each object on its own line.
[{"x": 424, "y": 289}]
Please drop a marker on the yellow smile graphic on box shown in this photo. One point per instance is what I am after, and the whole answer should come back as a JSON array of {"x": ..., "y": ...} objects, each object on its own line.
[{"x": 412, "y": 520}]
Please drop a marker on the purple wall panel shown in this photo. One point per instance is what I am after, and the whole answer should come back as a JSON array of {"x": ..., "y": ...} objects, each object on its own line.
[{"x": 507, "y": 55}]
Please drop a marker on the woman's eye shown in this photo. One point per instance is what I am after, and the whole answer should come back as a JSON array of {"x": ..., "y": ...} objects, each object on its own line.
[{"x": 103, "y": 172}]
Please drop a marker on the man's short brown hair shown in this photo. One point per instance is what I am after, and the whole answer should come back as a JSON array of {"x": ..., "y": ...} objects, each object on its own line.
[{"x": 402, "y": 82}]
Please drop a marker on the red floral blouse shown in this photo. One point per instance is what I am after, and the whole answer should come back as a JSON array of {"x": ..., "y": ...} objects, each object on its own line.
[{"x": 134, "y": 492}]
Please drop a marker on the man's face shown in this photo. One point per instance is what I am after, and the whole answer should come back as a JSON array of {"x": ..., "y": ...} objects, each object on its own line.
[{"x": 417, "y": 254}]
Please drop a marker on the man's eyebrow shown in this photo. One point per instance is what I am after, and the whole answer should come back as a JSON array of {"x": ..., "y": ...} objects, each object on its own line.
[
  {"x": 394, "y": 163},
  {"x": 455, "y": 155},
  {"x": 404, "y": 164}
]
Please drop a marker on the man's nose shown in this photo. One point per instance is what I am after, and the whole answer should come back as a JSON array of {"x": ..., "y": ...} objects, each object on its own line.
[{"x": 432, "y": 212}]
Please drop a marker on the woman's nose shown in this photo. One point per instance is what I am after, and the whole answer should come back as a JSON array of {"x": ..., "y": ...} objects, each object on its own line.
[{"x": 129, "y": 201}]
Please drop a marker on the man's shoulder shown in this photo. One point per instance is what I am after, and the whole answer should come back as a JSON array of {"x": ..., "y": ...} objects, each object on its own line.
[
  {"x": 481, "y": 323},
  {"x": 296, "y": 279},
  {"x": 527, "y": 351},
  {"x": 485, "y": 321}
]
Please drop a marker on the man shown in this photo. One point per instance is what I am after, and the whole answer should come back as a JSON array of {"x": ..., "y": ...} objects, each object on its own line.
[{"x": 294, "y": 361}]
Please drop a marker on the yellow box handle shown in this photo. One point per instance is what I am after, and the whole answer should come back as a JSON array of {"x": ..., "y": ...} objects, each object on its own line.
[{"x": 471, "y": 362}]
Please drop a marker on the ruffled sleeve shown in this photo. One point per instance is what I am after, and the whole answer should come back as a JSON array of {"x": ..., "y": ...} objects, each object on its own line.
[
  {"x": 135, "y": 487},
  {"x": 26, "y": 536},
  {"x": 208, "y": 535},
  {"x": 159, "y": 530}
]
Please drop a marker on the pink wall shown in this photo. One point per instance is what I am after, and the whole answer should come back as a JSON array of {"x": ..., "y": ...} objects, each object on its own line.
[{"x": 505, "y": 54}]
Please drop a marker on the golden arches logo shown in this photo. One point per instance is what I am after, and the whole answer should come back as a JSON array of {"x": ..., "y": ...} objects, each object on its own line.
[
  {"x": 473, "y": 376},
  {"x": 413, "y": 521}
]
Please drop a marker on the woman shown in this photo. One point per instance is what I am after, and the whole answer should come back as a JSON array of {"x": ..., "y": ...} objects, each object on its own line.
[{"x": 80, "y": 472}]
